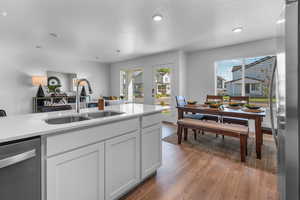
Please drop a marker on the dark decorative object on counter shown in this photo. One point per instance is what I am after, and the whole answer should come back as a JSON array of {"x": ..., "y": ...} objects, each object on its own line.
[
  {"x": 58, "y": 97},
  {"x": 52, "y": 100},
  {"x": 40, "y": 92},
  {"x": 56, "y": 108},
  {"x": 39, "y": 81},
  {"x": 83, "y": 92},
  {"x": 2, "y": 113}
]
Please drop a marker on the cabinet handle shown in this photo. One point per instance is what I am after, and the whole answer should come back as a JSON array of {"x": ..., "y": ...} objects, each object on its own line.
[{"x": 17, "y": 158}]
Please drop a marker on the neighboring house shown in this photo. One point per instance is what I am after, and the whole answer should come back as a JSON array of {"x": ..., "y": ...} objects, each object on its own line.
[
  {"x": 257, "y": 78},
  {"x": 221, "y": 85},
  {"x": 166, "y": 78},
  {"x": 163, "y": 78},
  {"x": 163, "y": 84}
]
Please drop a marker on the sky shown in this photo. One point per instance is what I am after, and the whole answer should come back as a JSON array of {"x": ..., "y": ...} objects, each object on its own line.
[{"x": 224, "y": 67}]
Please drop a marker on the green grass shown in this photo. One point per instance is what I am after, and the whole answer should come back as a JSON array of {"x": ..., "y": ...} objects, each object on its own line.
[
  {"x": 226, "y": 98},
  {"x": 254, "y": 99},
  {"x": 261, "y": 100}
]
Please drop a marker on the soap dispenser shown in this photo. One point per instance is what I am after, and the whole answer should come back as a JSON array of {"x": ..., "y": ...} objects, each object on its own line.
[{"x": 101, "y": 103}]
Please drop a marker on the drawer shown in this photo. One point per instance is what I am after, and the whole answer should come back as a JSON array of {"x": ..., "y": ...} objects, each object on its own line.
[
  {"x": 150, "y": 120},
  {"x": 77, "y": 138},
  {"x": 151, "y": 128}
]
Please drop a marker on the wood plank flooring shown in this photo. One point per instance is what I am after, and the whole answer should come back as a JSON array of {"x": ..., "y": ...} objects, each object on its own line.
[{"x": 189, "y": 174}]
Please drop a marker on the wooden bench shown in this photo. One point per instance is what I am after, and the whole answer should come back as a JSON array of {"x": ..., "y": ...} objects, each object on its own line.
[{"x": 240, "y": 132}]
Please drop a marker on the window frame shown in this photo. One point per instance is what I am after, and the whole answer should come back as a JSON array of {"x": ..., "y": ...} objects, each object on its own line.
[{"x": 243, "y": 78}]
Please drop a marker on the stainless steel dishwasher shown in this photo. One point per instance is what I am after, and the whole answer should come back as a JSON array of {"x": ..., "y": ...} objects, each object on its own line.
[{"x": 20, "y": 170}]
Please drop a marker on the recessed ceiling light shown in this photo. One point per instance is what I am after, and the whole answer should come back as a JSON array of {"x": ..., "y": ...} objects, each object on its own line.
[
  {"x": 4, "y": 14},
  {"x": 237, "y": 30},
  {"x": 280, "y": 21},
  {"x": 157, "y": 17}
]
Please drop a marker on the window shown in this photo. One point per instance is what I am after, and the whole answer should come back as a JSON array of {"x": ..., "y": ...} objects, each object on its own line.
[
  {"x": 245, "y": 77},
  {"x": 131, "y": 85},
  {"x": 228, "y": 77},
  {"x": 220, "y": 83},
  {"x": 255, "y": 87}
]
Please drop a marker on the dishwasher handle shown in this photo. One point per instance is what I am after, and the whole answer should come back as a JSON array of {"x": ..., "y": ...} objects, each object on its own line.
[{"x": 17, "y": 158}]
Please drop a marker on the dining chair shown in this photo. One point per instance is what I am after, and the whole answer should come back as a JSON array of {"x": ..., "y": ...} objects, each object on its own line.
[
  {"x": 243, "y": 99},
  {"x": 214, "y": 98},
  {"x": 234, "y": 120},
  {"x": 2, "y": 113},
  {"x": 181, "y": 101},
  {"x": 214, "y": 117}
]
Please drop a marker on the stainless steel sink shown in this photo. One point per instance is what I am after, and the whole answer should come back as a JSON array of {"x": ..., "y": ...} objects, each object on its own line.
[
  {"x": 102, "y": 114},
  {"x": 66, "y": 120},
  {"x": 82, "y": 117}
]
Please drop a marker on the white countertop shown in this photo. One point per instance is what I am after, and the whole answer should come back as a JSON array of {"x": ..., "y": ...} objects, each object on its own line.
[{"x": 29, "y": 125}]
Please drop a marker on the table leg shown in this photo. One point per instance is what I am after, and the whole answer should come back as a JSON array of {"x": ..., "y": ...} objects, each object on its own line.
[
  {"x": 258, "y": 137},
  {"x": 179, "y": 134},
  {"x": 185, "y": 134},
  {"x": 261, "y": 132}
]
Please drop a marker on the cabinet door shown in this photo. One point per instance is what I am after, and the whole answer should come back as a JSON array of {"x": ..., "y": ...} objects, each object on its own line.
[
  {"x": 151, "y": 150},
  {"x": 77, "y": 175},
  {"x": 122, "y": 164}
]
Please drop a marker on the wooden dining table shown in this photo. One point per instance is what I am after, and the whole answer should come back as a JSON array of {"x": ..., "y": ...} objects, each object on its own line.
[{"x": 226, "y": 111}]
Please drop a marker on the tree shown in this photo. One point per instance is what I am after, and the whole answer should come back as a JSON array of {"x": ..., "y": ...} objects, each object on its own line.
[{"x": 164, "y": 71}]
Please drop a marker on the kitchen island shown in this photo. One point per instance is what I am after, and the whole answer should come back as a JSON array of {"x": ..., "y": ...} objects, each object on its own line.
[{"x": 95, "y": 159}]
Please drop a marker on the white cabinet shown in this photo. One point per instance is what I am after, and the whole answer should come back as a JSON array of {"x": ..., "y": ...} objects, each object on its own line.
[
  {"x": 77, "y": 175},
  {"x": 122, "y": 164},
  {"x": 69, "y": 140},
  {"x": 152, "y": 119},
  {"x": 151, "y": 146},
  {"x": 102, "y": 162}
]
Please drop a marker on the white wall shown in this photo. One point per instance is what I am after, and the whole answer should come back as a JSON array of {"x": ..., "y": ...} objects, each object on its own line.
[
  {"x": 182, "y": 74},
  {"x": 201, "y": 70},
  {"x": 18, "y": 65}
]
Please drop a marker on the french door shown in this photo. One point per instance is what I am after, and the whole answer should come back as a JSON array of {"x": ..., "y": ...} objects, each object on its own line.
[
  {"x": 132, "y": 85},
  {"x": 162, "y": 89}
]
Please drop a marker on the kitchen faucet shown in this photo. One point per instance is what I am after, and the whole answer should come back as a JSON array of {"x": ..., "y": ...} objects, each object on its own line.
[{"x": 77, "y": 92}]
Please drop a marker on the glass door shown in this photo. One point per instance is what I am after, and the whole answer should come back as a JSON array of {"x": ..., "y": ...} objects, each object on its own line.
[
  {"x": 162, "y": 86},
  {"x": 162, "y": 90},
  {"x": 131, "y": 85}
]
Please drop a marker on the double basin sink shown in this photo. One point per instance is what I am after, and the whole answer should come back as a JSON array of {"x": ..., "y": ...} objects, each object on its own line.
[{"x": 82, "y": 117}]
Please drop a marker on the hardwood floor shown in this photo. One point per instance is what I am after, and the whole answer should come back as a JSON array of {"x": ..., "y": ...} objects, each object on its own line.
[{"x": 188, "y": 174}]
